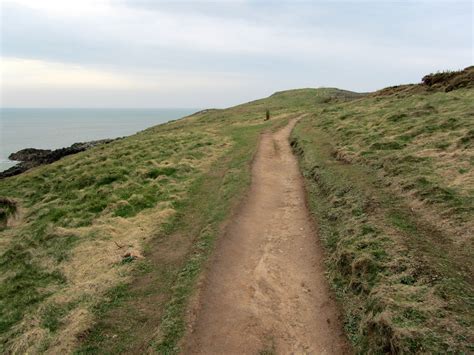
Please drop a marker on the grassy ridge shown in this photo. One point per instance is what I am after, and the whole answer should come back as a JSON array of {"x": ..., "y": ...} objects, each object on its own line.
[
  {"x": 105, "y": 246},
  {"x": 71, "y": 205},
  {"x": 390, "y": 181},
  {"x": 170, "y": 279},
  {"x": 75, "y": 251}
]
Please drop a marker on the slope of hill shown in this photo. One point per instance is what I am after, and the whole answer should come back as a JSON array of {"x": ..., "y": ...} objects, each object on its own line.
[
  {"x": 100, "y": 251},
  {"x": 391, "y": 182},
  {"x": 130, "y": 220}
]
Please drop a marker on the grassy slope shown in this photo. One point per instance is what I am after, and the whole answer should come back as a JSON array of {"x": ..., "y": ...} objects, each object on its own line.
[
  {"x": 161, "y": 193},
  {"x": 391, "y": 182},
  {"x": 389, "y": 178}
]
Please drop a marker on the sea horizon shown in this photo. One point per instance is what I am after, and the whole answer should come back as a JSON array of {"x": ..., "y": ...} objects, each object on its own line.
[{"x": 58, "y": 127}]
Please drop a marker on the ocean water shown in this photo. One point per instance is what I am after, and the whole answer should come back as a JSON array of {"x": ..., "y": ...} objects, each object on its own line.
[{"x": 56, "y": 128}]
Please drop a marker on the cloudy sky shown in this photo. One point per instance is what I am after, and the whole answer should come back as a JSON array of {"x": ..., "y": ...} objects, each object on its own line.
[{"x": 144, "y": 53}]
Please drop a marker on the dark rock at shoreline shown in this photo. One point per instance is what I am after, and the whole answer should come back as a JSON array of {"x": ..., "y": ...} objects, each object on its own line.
[{"x": 31, "y": 157}]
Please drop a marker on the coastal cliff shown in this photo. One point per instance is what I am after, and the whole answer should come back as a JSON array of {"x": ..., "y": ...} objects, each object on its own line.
[{"x": 32, "y": 157}]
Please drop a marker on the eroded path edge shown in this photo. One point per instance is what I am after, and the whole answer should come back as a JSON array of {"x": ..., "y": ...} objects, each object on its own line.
[{"x": 265, "y": 288}]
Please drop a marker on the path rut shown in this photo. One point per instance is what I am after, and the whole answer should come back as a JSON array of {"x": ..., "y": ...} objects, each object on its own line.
[{"x": 265, "y": 290}]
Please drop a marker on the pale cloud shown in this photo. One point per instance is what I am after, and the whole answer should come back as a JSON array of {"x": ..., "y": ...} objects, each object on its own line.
[
  {"x": 66, "y": 8},
  {"x": 17, "y": 73},
  {"x": 120, "y": 23},
  {"x": 49, "y": 84},
  {"x": 20, "y": 73}
]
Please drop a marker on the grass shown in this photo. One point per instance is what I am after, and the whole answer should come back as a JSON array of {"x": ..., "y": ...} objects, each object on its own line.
[
  {"x": 106, "y": 246},
  {"x": 65, "y": 281},
  {"x": 64, "y": 199},
  {"x": 390, "y": 182},
  {"x": 211, "y": 198}
]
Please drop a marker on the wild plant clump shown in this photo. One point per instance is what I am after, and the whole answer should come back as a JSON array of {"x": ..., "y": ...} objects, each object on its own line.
[
  {"x": 267, "y": 115},
  {"x": 8, "y": 208},
  {"x": 450, "y": 80}
]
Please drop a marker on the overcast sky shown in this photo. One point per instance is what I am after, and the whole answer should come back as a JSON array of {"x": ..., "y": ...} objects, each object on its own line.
[{"x": 144, "y": 53}]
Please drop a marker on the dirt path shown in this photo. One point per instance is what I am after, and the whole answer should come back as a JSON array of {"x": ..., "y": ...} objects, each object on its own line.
[{"x": 265, "y": 290}]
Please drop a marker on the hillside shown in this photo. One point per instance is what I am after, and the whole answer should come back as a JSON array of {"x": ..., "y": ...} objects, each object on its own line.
[
  {"x": 100, "y": 251},
  {"x": 391, "y": 183},
  {"x": 133, "y": 219}
]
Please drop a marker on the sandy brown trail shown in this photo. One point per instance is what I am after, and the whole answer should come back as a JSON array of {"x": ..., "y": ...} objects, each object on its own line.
[{"x": 265, "y": 289}]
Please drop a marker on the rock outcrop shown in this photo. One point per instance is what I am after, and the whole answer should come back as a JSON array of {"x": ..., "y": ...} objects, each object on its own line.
[{"x": 31, "y": 157}]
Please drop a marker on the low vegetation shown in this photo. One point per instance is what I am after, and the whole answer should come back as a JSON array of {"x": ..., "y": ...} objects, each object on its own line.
[
  {"x": 108, "y": 232},
  {"x": 391, "y": 182},
  {"x": 8, "y": 209},
  {"x": 100, "y": 251}
]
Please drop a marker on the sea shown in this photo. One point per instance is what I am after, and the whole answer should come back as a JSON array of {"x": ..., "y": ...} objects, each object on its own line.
[{"x": 52, "y": 128}]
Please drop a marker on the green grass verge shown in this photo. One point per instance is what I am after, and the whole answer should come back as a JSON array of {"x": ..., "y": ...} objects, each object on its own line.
[
  {"x": 77, "y": 201},
  {"x": 116, "y": 180},
  {"x": 389, "y": 177},
  {"x": 404, "y": 279},
  {"x": 161, "y": 192},
  {"x": 390, "y": 180},
  {"x": 198, "y": 218}
]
